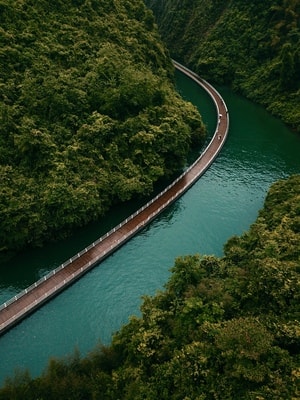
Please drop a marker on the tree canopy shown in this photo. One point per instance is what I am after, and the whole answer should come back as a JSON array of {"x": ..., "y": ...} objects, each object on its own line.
[
  {"x": 251, "y": 45},
  {"x": 223, "y": 328},
  {"x": 89, "y": 114}
]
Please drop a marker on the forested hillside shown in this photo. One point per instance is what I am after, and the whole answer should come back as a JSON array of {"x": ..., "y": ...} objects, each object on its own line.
[
  {"x": 89, "y": 116},
  {"x": 254, "y": 46},
  {"x": 223, "y": 329}
]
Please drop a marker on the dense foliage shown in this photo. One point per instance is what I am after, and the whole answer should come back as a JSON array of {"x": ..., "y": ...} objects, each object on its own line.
[
  {"x": 88, "y": 114},
  {"x": 223, "y": 328},
  {"x": 252, "y": 45}
]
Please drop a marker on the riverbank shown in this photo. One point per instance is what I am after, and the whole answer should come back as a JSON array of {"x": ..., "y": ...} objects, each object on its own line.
[
  {"x": 224, "y": 202},
  {"x": 33, "y": 297}
]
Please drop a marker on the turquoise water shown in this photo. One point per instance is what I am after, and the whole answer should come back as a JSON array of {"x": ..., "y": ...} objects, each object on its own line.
[{"x": 224, "y": 202}]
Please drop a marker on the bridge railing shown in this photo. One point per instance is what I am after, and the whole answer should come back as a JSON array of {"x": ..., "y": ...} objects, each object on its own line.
[{"x": 204, "y": 84}]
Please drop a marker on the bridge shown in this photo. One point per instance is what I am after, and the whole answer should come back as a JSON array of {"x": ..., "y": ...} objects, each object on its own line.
[{"x": 27, "y": 301}]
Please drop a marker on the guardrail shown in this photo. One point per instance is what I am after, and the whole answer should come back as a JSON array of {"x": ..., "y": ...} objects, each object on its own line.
[{"x": 97, "y": 259}]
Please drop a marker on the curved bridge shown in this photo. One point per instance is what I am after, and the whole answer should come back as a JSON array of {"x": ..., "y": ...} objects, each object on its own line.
[{"x": 57, "y": 280}]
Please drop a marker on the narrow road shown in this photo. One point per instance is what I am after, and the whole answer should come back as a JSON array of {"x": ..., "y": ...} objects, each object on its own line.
[{"x": 43, "y": 290}]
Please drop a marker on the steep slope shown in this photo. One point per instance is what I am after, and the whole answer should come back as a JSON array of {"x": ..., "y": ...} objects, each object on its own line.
[
  {"x": 224, "y": 328},
  {"x": 89, "y": 116},
  {"x": 254, "y": 46}
]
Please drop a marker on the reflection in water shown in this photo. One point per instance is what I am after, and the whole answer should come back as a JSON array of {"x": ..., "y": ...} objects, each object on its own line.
[{"x": 224, "y": 202}]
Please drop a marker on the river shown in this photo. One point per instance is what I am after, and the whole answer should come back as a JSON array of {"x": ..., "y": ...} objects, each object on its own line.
[{"x": 224, "y": 202}]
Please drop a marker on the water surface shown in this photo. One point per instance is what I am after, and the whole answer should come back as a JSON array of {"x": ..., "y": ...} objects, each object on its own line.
[{"x": 224, "y": 202}]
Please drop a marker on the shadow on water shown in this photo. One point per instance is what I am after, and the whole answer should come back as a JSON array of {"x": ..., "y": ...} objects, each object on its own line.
[
  {"x": 31, "y": 264},
  {"x": 224, "y": 202}
]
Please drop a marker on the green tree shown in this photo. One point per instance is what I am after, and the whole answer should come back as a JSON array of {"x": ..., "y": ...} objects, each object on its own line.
[{"x": 79, "y": 81}]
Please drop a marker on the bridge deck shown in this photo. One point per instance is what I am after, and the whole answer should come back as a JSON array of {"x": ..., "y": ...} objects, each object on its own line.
[{"x": 33, "y": 297}]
